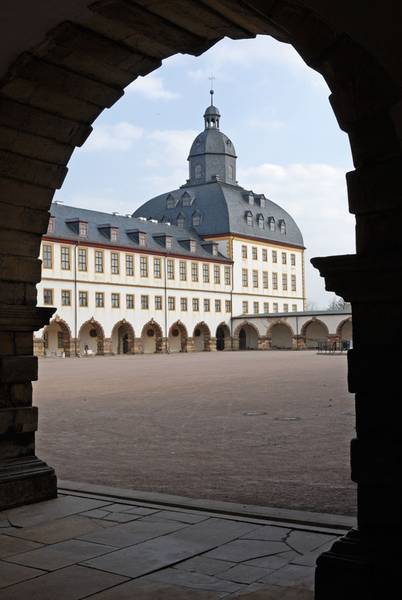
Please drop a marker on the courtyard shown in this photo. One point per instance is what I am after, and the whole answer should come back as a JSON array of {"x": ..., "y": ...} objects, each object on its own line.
[{"x": 262, "y": 428}]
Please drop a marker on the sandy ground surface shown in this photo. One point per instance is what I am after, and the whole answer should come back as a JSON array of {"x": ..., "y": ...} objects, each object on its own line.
[{"x": 267, "y": 428}]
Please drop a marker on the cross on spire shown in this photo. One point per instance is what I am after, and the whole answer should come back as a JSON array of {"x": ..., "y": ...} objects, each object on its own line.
[{"x": 211, "y": 91}]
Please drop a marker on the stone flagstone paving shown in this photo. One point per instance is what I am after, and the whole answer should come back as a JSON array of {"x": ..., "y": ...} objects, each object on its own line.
[{"x": 85, "y": 546}]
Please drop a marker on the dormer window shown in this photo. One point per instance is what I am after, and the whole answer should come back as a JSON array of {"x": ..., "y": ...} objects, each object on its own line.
[
  {"x": 168, "y": 242},
  {"x": 186, "y": 199},
  {"x": 193, "y": 245},
  {"x": 282, "y": 226},
  {"x": 181, "y": 220},
  {"x": 142, "y": 238},
  {"x": 170, "y": 201},
  {"x": 262, "y": 202},
  {"x": 113, "y": 234},
  {"x": 271, "y": 224},
  {"x": 51, "y": 224},
  {"x": 196, "y": 220},
  {"x": 260, "y": 221},
  {"x": 249, "y": 218},
  {"x": 109, "y": 232},
  {"x": 251, "y": 199},
  {"x": 83, "y": 229}
]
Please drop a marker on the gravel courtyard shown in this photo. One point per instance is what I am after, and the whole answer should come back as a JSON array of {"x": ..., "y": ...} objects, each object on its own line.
[{"x": 268, "y": 428}]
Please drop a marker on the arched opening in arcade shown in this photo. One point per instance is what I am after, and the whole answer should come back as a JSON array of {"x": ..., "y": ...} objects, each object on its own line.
[
  {"x": 151, "y": 338},
  {"x": 314, "y": 333},
  {"x": 345, "y": 332},
  {"x": 223, "y": 339},
  {"x": 177, "y": 339},
  {"x": 123, "y": 338},
  {"x": 201, "y": 337},
  {"x": 57, "y": 339},
  {"x": 247, "y": 336},
  {"x": 281, "y": 336},
  {"x": 91, "y": 339}
]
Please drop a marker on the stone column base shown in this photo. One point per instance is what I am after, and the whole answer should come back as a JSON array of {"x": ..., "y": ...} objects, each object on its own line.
[{"x": 26, "y": 480}]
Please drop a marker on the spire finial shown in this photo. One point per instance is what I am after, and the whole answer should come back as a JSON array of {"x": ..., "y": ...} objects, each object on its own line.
[{"x": 211, "y": 91}]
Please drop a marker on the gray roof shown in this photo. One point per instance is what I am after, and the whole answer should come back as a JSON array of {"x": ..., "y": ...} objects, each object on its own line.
[
  {"x": 212, "y": 141},
  {"x": 223, "y": 210},
  {"x": 303, "y": 313},
  {"x": 127, "y": 225}
]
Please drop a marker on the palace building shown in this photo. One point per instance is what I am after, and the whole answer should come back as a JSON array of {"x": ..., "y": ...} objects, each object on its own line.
[{"x": 176, "y": 274}]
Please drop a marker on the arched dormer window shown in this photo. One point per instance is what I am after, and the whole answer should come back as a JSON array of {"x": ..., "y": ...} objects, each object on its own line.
[
  {"x": 181, "y": 221},
  {"x": 197, "y": 171},
  {"x": 186, "y": 199},
  {"x": 249, "y": 218},
  {"x": 170, "y": 201},
  {"x": 282, "y": 226},
  {"x": 271, "y": 224},
  {"x": 196, "y": 219},
  {"x": 260, "y": 221}
]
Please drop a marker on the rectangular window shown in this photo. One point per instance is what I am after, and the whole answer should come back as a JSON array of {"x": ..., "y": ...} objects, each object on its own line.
[
  {"x": 99, "y": 299},
  {"x": 196, "y": 305},
  {"x": 183, "y": 270},
  {"x": 217, "y": 274},
  {"x": 65, "y": 298},
  {"x": 48, "y": 297},
  {"x": 207, "y": 305},
  {"x": 275, "y": 307},
  {"x": 145, "y": 302},
  {"x": 129, "y": 300},
  {"x": 144, "y": 266},
  {"x": 294, "y": 307},
  {"x": 115, "y": 300},
  {"x": 141, "y": 238},
  {"x": 266, "y": 307},
  {"x": 171, "y": 303},
  {"x": 83, "y": 298},
  {"x": 284, "y": 258},
  {"x": 114, "y": 263},
  {"x": 284, "y": 282},
  {"x": 264, "y": 254},
  {"x": 98, "y": 261},
  {"x": 65, "y": 258},
  {"x": 274, "y": 281},
  {"x": 218, "y": 306},
  {"x": 129, "y": 265},
  {"x": 265, "y": 280},
  {"x": 157, "y": 268},
  {"x": 205, "y": 273},
  {"x": 244, "y": 307},
  {"x": 274, "y": 256},
  {"x": 256, "y": 308},
  {"x": 83, "y": 229},
  {"x": 293, "y": 260},
  {"x": 293, "y": 282},
  {"x": 244, "y": 251},
  {"x": 183, "y": 304},
  {"x": 158, "y": 302},
  {"x": 170, "y": 268},
  {"x": 47, "y": 256},
  {"x": 194, "y": 271},
  {"x": 228, "y": 306},
  {"x": 255, "y": 279},
  {"x": 82, "y": 259},
  {"x": 286, "y": 308},
  {"x": 227, "y": 276},
  {"x": 244, "y": 277},
  {"x": 113, "y": 234},
  {"x": 254, "y": 251}
]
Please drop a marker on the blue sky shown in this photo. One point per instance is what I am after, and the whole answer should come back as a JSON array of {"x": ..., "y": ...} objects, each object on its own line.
[{"x": 275, "y": 110}]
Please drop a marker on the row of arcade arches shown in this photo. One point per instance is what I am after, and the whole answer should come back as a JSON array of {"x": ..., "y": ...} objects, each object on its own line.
[{"x": 58, "y": 340}]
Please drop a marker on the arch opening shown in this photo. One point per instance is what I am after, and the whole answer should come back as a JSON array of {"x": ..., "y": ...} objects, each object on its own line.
[
  {"x": 91, "y": 339},
  {"x": 178, "y": 337},
  {"x": 123, "y": 338},
  {"x": 223, "y": 341},
  {"x": 201, "y": 337},
  {"x": 57, "y": 339},
  {"x": 151, "y": 338}
]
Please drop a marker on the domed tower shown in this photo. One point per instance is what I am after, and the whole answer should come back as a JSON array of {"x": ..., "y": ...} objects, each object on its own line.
[{"x": 212, "y": 155}]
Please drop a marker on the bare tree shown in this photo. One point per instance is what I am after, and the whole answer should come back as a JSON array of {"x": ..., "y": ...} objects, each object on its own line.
[{"x": 337, "y": 304}]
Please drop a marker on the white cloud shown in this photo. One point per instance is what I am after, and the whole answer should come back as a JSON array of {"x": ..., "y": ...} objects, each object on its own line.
[
  {"x": 113, "y": 137},
  {"x": 315, "y": 196},
  {"x": 170, "y": 147},
  {"x": 152, "y": 87}
]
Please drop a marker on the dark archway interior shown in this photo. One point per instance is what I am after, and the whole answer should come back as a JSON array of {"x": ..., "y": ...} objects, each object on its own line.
[{"x": 70, "y": 61}]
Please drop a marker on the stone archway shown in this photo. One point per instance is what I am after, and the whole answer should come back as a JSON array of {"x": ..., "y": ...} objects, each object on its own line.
[
  {"x": 280, "y": 336},
  {"x": 246, "y": 336},
  {"x": 201, "y": 337},
  {"x": 91, "y": 339},
  {"x": 56, "y": 338},
  {"x": 314, "y": 332},
  {"x": 178, "y": 337},
  {"x": 344, "y": 331},
  {"x": 151, "y": 338},
  {"x": 123, "y": 338},
  {"x": 223, "y": 340},
  {"x": 71, "y": 71}
]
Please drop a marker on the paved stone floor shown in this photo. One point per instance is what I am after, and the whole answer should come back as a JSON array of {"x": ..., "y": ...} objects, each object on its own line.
[
  {"x": 265, "y": 428},
  {"x": 84, "y": 545}
]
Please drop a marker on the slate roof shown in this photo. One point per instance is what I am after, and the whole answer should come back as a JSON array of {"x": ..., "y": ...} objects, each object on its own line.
[
  {"x": 223, "y": 210},
  {"x": 63, "y": 229},
  {"x": 212, "y": 141}
]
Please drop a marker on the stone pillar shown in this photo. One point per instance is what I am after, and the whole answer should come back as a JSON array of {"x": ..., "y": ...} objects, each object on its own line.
[
  {"x": 138, "y": 347},
  {"x": 262, "y": 343},
  {"x": 212, "y": 344},
  {"x": 299, "y": 343},
  {"x": 190, "y": 344},
  {"x": 24, "y": 478},
  {"x": 164, "y": 346},
  {"x": 107, "y": 346},
  {"x": 365, "y": 563}
]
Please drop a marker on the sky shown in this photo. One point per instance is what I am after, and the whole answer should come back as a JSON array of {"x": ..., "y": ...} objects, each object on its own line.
[{"x": 274, "y": 108}]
